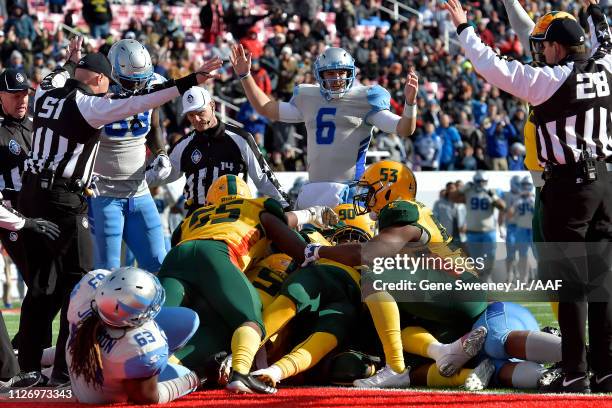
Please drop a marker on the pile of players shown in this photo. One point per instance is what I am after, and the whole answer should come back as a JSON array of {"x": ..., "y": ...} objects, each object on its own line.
[{"x": 253, "y": 296}]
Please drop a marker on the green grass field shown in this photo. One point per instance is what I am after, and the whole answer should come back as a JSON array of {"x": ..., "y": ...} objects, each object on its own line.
[{"x": 541, "y": 311}]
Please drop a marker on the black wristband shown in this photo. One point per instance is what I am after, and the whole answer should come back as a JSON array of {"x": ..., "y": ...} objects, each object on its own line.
[
  {"x": 183, "y": 84},
  {"x": 29, "y": 224},
  {"x": 462, "y": 27},
  {"x": 594, "y": 9}
]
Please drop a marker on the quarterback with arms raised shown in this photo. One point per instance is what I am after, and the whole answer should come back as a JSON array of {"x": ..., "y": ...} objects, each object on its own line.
[{"x": 339, "y": 118}]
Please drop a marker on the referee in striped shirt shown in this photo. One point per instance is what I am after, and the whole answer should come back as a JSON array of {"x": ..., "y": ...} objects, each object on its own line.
[
  {"x": 214, "y": 149},
  {"x": 68, "y": 117},
  {"x": 572, "y": 105}
]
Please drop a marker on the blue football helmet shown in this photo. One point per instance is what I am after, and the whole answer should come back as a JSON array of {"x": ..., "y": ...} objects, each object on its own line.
[
  {"x": 334, "y": 59},
  {"x": 526, "y": 185},
  {"x": 129, "y": 297},
  {"x": 480, "y": 180},
  {"x": 515, "y": 184},
  {"x": 131, "y": 62}
]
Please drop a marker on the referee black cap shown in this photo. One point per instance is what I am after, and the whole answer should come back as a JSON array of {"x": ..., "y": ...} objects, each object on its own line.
[
  {"x": 566, "y": 31},
  {"x": 13, "y": 81},
  {"x": 97, "y": 62},
  {"x": 558, "y": 26}
]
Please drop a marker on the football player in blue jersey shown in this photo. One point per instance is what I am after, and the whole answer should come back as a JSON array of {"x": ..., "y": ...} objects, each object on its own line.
[
  {"x": 121, "y": 339},
  {"x": 339, "y": 118},
  {"x": 124, "y": 208},
  {"x": 522, "y": 211}
]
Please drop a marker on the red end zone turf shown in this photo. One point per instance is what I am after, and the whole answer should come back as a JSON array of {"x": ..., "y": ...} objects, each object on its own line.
[{"x": 346, "y": 397}]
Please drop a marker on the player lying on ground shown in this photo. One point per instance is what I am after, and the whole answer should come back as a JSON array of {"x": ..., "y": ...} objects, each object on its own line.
[
  {"x": 206, "y": 272},
  {"x": 121, "y": 337}
]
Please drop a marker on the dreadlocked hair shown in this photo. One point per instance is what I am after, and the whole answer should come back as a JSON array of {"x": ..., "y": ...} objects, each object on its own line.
[{"x": 85, "y": 350}]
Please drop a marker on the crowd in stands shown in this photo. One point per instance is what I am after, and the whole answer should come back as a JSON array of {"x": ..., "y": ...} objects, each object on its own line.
[{"x": 463, "y": 123}]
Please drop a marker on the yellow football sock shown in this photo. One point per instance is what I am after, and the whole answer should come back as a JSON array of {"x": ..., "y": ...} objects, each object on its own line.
[
  {"x": 277, "y": 314},
  {"x": 416, "y": 340},
  {"x": 307, "y": 354},
  {"x": 555, "y": 309},
  {"x": 386, "y": 318},
  {"x": 245, "y": 343},
  {"x": 434, "y": 379}
]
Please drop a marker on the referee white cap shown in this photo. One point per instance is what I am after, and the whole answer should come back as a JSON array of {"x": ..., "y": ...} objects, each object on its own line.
[{"x": 195, "y": 99}]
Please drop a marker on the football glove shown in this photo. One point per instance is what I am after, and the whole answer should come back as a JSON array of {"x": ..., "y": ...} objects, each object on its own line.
[
  {"x": 159, "y": 169},
  {"x": 311, "y": 253},
  {"x": 43, "y": 227},
  {"x": 322, "y": 217}
]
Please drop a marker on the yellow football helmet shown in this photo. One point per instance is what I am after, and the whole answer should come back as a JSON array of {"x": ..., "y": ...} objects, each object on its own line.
[
  {"x": 556, "y": 26},
  {"x": 382, "y": 183},
  {"x": 226, "y": 188},
  {"x": 357, "y": 228}
]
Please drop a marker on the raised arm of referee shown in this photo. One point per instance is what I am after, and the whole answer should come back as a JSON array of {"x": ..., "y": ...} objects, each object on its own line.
[
  {"x": 572, "y": 105},
  {"x": 68, "y": 116}
]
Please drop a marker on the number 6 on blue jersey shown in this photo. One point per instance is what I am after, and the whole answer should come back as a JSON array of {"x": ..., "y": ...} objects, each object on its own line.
[{"x": 326, "y": 129}]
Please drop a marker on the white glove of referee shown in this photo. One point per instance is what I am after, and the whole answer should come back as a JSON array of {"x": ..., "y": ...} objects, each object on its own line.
[{"x": 159, "y": 169}]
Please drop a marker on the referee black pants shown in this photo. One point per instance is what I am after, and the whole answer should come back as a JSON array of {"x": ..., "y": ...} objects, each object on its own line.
[
  {"x": 54, "y": 267},
  {"x": 577, "y": 227}
]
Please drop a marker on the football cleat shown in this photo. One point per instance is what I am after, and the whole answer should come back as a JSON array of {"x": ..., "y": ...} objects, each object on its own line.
[
  {"x": 555, "y": 381},
  {"x": 22, "y": 380},
  {"x": 247, "y": 384},
  {"x": 385, "y": 378},
  {"x": 225, "y": 370},
  {"x": 481, "y": 376},
  {"x": 461, "y": 351},
  {"x": 602, "y": 383}
]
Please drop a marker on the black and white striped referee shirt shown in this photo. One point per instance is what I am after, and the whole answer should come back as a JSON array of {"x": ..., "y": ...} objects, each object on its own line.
[
  {"x": 68, "y": 119},
  {"x": 571, "y": 101},
  {"x": 15, "y": 144},
  {"x": 205, "y": 156}
]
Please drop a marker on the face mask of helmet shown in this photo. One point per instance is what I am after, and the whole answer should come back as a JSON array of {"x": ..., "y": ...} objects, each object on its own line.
[
  {"x": 132, "y": 84},
  {"x": 349, "y": 234}
]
